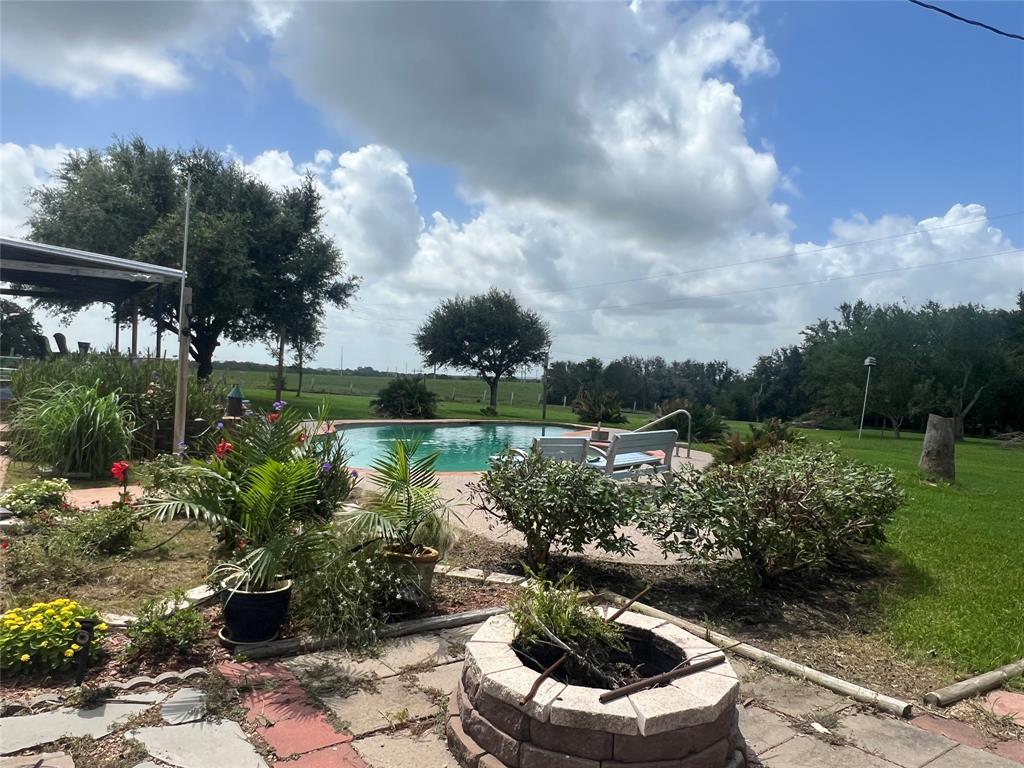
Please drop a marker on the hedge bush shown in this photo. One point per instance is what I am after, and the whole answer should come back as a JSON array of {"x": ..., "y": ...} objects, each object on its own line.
[
  {"x": 34, "y": 496},
  {"x": 406, "y": 397},
  {"x": 783, "y": 513}
]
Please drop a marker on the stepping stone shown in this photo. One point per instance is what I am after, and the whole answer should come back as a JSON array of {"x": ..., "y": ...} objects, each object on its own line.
[
  {"x": 443, "y": 678},
  {"x": 1007, "y": 703},
  {"x": 416, "y": 651},
  {"x": 951, "y": 729},
  {"x": 50, "y": 760},
  {"x": 791, "y": 697},
  {"x": 336, "y": 664},
  {"x": 18, "y": 733},
  {"x": 149, "y": 697},
  {"x": 341, "y": 756},
  {"x": 967, "y": 757},
  {"x": 186, "y": 705},
  {"x": 401, "y": 750},
  {"x": 148, "y": 764},
  {"x": 897, "y": 742},
  {"x": 763, "y": 730},
  {"x": 298, "y": 735},
  {"x": 366, "y": 711},
  {"x": 200, "y": 745},
  {"x": 460, "y": 635},
  {"x": 809, "y": 752}
]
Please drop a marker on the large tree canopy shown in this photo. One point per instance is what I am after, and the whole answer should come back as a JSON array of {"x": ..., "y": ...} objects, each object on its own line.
[
  {"x": 259, "y": 261},
  {"x": 490, "y": 334},
  {"x": 17, "y": 329}
]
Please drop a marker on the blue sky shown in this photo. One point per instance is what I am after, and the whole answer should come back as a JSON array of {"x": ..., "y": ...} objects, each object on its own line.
[{"x": 798, "y": 126}]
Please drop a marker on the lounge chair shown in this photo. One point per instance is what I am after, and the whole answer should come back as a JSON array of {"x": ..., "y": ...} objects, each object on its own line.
[
  {"x": 571, "y": 449},
  {"x": 630, "y": 454},
  {"x": 62, "y": 343}
]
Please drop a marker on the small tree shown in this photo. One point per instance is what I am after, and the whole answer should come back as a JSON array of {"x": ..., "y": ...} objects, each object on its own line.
[
  {"x": 490, "y": 334},
  {"x": 17, "y": 329},
  {"x": 407, "y": 397}
]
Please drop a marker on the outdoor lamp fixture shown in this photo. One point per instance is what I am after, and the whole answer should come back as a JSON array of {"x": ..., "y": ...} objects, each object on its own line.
[
  {"x": 84, "y": 636},
  {"x": 235, "y": 398},
  {"x": 869, "y": 363}
]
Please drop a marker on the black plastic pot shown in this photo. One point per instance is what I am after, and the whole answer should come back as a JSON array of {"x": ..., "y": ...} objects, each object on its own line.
[{"x": 253, "y": 617}]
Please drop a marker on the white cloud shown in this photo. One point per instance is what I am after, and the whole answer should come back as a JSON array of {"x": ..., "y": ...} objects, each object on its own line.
[{"x": 21, "y": 169}]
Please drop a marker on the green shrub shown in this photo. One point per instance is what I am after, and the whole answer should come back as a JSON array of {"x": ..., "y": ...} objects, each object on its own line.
[
  {"x": 557, "y": 503},
  {"x": 154, "y": 634},
  {"x": 559, "y": 609},
  {"x": 594, "y": 405},
  {"x": 101, "y": 532},
  {"x": 72, "y": 429},
  {"x": 406, "y": 397},
  {"x": 41, "y": 637},
  {"x": 784, "y": 512},
  {"x": 772, "y": 435},
  {"x": 707, "y": 425},
  {"x": 29, "y": 498}
]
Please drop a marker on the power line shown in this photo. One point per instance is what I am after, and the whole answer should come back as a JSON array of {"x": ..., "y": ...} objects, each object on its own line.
[
  {"x": 680, "y": 273},
  {"x": 787, "y": 285},
  {"x": 966, "y": 20}
]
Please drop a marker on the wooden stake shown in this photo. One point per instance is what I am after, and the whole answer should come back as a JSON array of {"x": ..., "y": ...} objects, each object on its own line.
[{"x": 974, "y": 686}]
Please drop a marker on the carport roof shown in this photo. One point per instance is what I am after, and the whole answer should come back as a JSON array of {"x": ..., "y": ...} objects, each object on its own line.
[{"x": 53, "y": 272}]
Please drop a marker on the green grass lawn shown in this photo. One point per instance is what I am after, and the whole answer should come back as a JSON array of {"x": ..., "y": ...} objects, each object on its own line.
[
  {"x": 960, "y": 548},
  {"x": 358, "y": 407}
]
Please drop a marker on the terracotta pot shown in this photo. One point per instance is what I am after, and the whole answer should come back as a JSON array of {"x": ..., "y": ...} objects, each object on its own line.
[{"x": 420, "y": 568}]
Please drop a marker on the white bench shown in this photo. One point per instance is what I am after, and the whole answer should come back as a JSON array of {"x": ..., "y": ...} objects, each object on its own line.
[{"x": 630, "y": 454}]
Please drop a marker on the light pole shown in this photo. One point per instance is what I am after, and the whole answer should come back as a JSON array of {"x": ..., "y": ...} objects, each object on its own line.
[{"x": 869, "y": 363}]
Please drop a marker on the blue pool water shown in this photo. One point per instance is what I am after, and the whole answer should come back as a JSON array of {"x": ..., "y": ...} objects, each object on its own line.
[{"x": 464, "y": 447}]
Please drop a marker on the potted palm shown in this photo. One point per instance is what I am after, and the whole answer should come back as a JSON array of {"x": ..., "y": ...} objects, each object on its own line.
[{"x": 406, "y": 515}]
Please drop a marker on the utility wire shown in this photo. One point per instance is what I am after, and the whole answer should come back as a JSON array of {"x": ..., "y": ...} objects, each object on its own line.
[
  {"x": 972, "y": 22},
  {"x": 682, "y": 299},
  {"x": 679, "y": 273}
]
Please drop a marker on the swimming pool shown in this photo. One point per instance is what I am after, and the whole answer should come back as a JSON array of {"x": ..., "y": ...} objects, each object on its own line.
[{"x": 464, "y": 447}]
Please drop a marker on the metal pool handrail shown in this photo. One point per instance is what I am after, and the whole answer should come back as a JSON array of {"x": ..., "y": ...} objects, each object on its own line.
[{"x": 689, "y": 425}]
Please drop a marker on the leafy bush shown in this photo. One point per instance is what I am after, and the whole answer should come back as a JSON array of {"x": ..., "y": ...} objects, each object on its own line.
[
  {"x": 558, "y": 609},
  {"x": 152, "y": 633},
  {"x": 772, "y": 435},
  {"x": 72, "y": 429},
  {"x": 406, "y": 397},
  {"x": 784, "y": 512},
  {"x": 595, "y": 405},
  {"x": 29, "y": 498},
  {"x": 707, "y": 425},
  {"x": 557, "y": 503},
  {"x": 101, "y": 532},
  {"x": 41, "y": 637}
]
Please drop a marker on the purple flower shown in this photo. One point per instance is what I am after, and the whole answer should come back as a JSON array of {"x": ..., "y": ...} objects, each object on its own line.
[
  {"x": 325, "y": 467},
  {"x": 220, "y": 425},
  {"x": 354, "y": 473},
  {"x": 279, "y": 404},
  {"x": 181, "y": 443}
]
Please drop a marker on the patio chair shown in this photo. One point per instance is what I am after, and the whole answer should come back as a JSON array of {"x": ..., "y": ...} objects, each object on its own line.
[
  {"x": 632, "y": 454},
  {"x": 84, "y": 347},
  {"x": 62, "y": 343},
  {"x": 571, "y": 449},
  {"x": 43, "y": 349}
]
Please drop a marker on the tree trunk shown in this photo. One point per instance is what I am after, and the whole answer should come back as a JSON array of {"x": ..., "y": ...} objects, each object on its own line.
[
  {"x": 958, "y": 428},
  {"x": 298, "y": 390},
  {"x": 938, "y": 454},
  {"x": 897, "y": 424},
  {"x": 493, "y": 384},
  {"x": 204, "y": 346},
  {"x": 279, "y": 385}
]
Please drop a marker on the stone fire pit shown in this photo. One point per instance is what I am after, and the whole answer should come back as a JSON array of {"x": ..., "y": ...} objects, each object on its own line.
[{"x": 687, "y": 723}]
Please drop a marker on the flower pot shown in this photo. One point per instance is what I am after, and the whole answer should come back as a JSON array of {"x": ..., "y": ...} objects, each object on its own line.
[
  {"x": 419, "y": 567},
  {"x": 253, "y": 617}
]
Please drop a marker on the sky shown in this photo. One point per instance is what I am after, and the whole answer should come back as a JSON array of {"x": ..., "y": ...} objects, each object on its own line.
[{"x": 689, "y": 180}]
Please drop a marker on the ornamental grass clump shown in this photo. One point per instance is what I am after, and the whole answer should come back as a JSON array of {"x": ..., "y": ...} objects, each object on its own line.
[
  {"x": 41, "y": 637},
  {"x": 785, "y": 513}
]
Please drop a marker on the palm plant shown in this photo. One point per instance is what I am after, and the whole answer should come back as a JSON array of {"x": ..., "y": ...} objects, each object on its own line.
[{"x": 407, "y": 515}]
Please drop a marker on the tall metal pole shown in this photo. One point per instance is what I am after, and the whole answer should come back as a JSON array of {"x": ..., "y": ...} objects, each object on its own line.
[
  {"x": 184, "y": 332},
  {"x": 544, "y": 390},
  {"x": 867, "y": 383}
]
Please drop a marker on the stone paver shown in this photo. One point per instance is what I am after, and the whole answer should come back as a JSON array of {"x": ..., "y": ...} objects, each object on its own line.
[
  {"x": 18, "y": 733},
  {"x": 951, "y": 729},
  {"x": 272, "y": 705},
  {"x": 443, "y": 678},
  {"x": 341, "y": 756},
  {"x": 1007, "y": 703},
  {"x": 968, "y": 757},
  {"x": 402, "y": 750},
  {"x": 186, "y": 705},
  {"x": 298, "y": 735},
  {"x": 366, "y": 711},
  {"x": 790, "y": 696},
  {"x": 414, "y": 651},
  {"x": 809, "y": 752},
  {"x": 763, "y": 730},
  {"x": 336, "y": 664},
  {"x": 1012, "y": 750},
  {"x": 897, "y": 742},
  {"x": 48, "y": 760},
  {"x": 200, "y": 745}
]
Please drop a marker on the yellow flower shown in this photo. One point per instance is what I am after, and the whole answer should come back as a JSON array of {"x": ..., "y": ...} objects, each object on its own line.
[
  {"x": 76, "y": 647},
  {"x": 69, "y": 653},
  {"x": 101, "y": 627},
  {"x": 50, "y": 612},
  {"x": 44, "y": 644},
  {"x": 25, "y": 657}
]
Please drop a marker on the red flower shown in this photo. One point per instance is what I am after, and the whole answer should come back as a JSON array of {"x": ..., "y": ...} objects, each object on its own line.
[
  {"x": 120, "y": 471},
  {"x": 272, "y": 417},
  {"x": 5, "y": 543},
  {"x": 223, "y": 449},
  {"x": 301, "y": 438}
]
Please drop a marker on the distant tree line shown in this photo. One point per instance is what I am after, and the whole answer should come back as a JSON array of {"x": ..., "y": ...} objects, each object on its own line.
[{"x": 963, "y": 361}]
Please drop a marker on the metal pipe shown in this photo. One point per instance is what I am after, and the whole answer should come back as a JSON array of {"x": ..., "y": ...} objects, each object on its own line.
[
  {"x": 689, "y": 425},
  {"x": 184, "y": 331}
]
